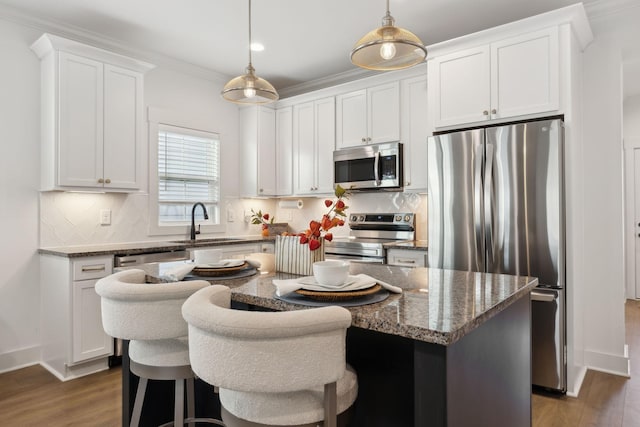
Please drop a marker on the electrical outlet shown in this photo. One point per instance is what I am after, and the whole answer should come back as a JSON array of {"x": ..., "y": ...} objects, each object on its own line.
[{"x": 105, "y": 217}]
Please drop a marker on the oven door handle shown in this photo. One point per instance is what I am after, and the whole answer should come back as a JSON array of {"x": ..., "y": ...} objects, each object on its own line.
[{"x": 376, "y": 168}]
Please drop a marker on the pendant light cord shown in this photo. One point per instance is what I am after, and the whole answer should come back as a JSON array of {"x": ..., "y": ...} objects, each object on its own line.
[
  {"x": 250, "y": 33},
  {"x": 387, "y": 7}
]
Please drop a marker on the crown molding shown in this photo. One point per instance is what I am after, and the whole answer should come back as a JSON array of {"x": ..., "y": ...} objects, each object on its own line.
[
  {"x": 48, "y": 25},
  {"x": 601, "y": 9},
  {"x": 324, "y": 82}
]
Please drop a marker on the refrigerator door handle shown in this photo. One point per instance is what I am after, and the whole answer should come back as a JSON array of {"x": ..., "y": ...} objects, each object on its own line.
[
  {"x": 540, "y": 296},
  {"x": 488, "y": 206},
  {"x": 477, "y": 208}
]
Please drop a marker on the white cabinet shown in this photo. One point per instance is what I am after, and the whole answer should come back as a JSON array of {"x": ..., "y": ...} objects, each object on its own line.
[
  {"x": 368, "y": 116},
  {"x": 92, "y": 125},
  {"x": 74, "y": 342},
  {"x": 258, "y": 151},
  {"x": 284, "y": 151},
  {"x": 407, "y": 257},
  {"x": 313, "y": 145},
  {"x": 508, "y": 78},
  {"x": 236, "y": 250},
  {"x": 415, "y": 131}
]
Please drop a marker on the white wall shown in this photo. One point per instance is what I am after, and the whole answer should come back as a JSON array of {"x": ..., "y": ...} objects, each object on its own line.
[
  {"x": 19, "y": 180},
  {"x": 603, "y": 296},
  {"x": 631, "y": 116}
]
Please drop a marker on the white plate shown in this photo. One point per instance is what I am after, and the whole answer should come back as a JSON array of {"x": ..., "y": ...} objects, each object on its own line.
[
  {"x": 224, "y": 263},
  {"x": 353, "y": 283}
]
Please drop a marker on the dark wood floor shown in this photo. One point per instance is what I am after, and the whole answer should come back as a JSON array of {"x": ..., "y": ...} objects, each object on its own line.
[{"x": 33, "y": 397}]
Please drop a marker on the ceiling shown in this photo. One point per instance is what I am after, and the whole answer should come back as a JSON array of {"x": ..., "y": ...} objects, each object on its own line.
[{"x": 306, "y": 41}]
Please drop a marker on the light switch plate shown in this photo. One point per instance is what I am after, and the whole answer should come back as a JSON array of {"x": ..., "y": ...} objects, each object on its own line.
[
  {"x": 105, "y": 217},
  {"x": 230, "y": 215}
]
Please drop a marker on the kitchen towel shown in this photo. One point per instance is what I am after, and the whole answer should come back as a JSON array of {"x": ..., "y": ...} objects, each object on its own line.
[{"x": 287, "y": 286}]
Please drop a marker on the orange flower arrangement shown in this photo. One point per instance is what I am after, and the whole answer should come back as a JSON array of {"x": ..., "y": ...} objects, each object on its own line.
[{"x": 333, "y": 218}]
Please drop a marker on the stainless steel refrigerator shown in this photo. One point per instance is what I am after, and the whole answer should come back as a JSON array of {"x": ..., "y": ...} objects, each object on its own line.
[{"x": 496, "y": 204}]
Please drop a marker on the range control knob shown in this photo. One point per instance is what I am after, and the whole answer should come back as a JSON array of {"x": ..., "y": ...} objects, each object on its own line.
[
  {"x": 354, "y": 218},
  {"x": 361, "y": 218},
  {"x": 407, "y": 218},
  {"x": 398, "y": 218}
]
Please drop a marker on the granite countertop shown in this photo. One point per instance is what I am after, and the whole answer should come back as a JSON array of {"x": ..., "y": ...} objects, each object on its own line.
[
  {"x": 416, "y": 245},
  {"x": 147, "y": 247},
  {"x": 436, "y": 306}
]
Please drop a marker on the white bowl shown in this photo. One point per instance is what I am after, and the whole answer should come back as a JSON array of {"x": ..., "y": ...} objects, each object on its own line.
[{"x": 331, "y": 273}]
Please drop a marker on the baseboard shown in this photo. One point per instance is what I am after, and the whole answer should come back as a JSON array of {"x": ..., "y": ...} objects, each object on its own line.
[
  {"x": 608, "y": 363},
  {"x": 19, "y": 359},
  {"x": 574, "y": 391},
  {"x": 77, "y": 371}
]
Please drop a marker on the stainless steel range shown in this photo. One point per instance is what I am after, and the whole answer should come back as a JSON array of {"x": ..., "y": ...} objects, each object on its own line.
[{"x": 369, "y": 232}]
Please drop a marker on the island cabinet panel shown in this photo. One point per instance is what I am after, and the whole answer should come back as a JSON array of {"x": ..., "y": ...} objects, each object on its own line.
[{"x": 506, "y": 79}]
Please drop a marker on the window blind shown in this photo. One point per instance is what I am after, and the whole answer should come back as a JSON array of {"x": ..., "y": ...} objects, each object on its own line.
[{"x": 188, "y": 172}]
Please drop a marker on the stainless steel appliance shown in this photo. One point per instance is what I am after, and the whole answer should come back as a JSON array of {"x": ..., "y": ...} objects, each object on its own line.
[
  {"x": 369, "y": 232},
  {"x": 369, "y": 167},
  {"x": 496, "y": 204}
]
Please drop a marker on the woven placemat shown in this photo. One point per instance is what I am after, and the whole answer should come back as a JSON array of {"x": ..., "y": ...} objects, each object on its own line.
[
  {"x": 222, "y": 271},
  {"x": 336, "y": 296}
]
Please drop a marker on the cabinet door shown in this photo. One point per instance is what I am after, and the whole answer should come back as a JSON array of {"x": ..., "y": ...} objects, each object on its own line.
[
  {"x": 284, "y": 151},
  {"x": 123, "y": 109},
  {"x": 524, "y": 74},
  {"x": 88, "y": 339},
  {"x": 80, "y": 144},
  {"x": 459, "y": 87},
  {"x": 325, "y": 139},
  {"x": 304, "y": 152},
  {"x": 351, "y": 119},
  {"x": 383, "y": 113},
  {"x": 415, "y": 132},
  {"x": 266, "y": 152}
]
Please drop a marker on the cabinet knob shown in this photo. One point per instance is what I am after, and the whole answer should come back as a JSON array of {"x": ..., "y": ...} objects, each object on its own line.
[
  {"x": 485, "y": 113},
  {"x": 494, "y": 111},
  {"x": 311, "y": 189},
  {"x": 368, "y": 139},
  {"x": 261, "y": 190},
  {"x": 364, "y": 139},
  {"x": 100, "y": 181},
  {"x": 107, "y": 181}
]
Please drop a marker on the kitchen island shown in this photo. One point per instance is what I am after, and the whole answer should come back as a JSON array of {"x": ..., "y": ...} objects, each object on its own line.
[{"x": 454, "y": 349}]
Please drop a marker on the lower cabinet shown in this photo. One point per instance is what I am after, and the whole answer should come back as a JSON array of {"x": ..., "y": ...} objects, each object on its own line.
[
  {"x": 407, "y": 257},
  {"x": 236, "y": 250},
  {"x": 73, "y": 340}
]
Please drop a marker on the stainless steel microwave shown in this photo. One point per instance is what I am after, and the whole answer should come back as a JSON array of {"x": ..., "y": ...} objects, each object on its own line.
[{"x": 369, "y": 167}]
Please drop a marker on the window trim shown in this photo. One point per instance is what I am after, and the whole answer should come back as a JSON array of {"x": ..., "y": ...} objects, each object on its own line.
[{"x": 157, "y": 117}]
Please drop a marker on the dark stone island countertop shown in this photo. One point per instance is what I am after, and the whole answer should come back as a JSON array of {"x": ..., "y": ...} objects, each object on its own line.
[{"x": 436, "y": 306}]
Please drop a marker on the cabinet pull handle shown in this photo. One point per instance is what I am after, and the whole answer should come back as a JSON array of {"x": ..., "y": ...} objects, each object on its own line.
[
  {"x": 93, "y": 268},
  {"x": 407, "y": 261},
  {"x": 261, "y": 190},
  {"x": 494, "y": 111},
  {"x": 485, "y": 113},
  {"x": 100, "y": 180},
  {"x": 107, "y": 181}
]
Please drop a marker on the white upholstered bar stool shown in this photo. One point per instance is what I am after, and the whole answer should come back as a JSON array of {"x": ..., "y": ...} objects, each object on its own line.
[
  {"x": 149, "y": 315},
  {"x": 272, "y": 368}
]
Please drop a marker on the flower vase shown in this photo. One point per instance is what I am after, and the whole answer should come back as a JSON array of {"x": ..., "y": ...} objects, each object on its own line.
[
  {"x": 265, "y": 230},
  {"x": 296, "y": 258}
]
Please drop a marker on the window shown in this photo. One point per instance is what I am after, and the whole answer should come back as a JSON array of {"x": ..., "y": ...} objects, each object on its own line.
[{"x": 188, "y": 172}]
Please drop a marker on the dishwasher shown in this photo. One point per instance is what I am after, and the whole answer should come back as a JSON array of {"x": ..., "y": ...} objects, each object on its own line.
[{"x": 124, "y": 262}]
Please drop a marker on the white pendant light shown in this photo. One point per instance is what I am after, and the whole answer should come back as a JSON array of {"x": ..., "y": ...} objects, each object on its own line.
[
  {"x": 388, "y": 48},
  {"x": 249, "y": 88}
]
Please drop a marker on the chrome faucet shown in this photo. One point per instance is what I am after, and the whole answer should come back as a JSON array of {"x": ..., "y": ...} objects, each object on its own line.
[{"x": 193, "y": 221}]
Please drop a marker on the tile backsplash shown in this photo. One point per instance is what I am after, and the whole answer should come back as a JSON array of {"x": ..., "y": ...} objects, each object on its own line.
[{"x": 74, "y": 218}]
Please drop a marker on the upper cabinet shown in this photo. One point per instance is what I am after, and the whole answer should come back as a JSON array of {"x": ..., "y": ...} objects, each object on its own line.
[
  {"x": 414, "y": 132},
  {"x": 313, "y": 144},
  {"x": 92, "y": 125},
  {"x": 258, "y": 151},
  {"x": 368, "y": 116},
  {"x": 284, "y": 151},
  {"x": 505, "y": 79}
]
